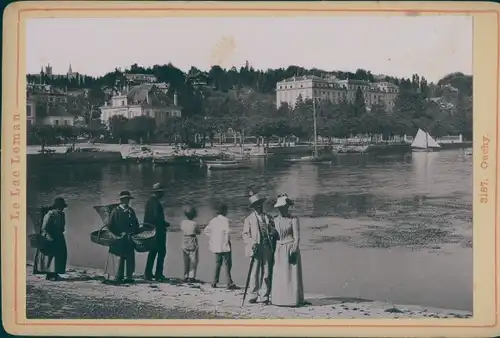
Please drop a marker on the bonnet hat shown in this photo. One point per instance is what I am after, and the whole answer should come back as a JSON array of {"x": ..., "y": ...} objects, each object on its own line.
[{"x": 283, "y": 200}]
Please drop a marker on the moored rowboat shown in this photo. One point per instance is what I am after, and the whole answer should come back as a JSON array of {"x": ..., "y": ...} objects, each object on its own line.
[
  {"x": 221, "y": 162},
  {"x": 226, "y": 166}
]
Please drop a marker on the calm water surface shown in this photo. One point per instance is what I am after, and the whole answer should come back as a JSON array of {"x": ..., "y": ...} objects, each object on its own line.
[{"x": 391, "y": 228}]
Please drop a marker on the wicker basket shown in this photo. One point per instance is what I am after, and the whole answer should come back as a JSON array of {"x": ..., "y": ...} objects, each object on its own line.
[
  {"x": 145, "y": 239},
  {"x": 37, "y": 241},
  {"x": 103, "y": 237}
]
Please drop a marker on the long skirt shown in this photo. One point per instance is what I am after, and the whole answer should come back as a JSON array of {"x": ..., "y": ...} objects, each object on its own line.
[
  {"x": 53, "y": 258},
  {"x": 287, "y": 288}
]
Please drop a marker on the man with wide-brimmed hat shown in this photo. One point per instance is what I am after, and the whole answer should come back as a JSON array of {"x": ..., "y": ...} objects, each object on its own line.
[
  {"x": 122, "y": 224},
  {"x": 259, "y": 237},
  {"x": 154, "y": 215},
  {"x": 52, "y": 259}
]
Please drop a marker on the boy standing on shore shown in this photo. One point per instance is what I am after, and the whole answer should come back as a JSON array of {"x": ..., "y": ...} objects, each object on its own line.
[
  {"x": 218, "y": 233},
  {"x": 190, "y": 230}
]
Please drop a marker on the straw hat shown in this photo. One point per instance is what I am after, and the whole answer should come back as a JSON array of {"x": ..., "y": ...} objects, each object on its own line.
[
  {"x": 125, "y": 194},
  {"x": 283, "y": 200},
  {"x": 59, "y": 202},
  {"x": 158, "y": 187},
  {"x": 255, "y": 198}
]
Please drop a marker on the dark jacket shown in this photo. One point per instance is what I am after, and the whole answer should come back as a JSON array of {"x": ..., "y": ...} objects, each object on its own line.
[
  {"x": 54, "y": 224},
  {"x": 154, "y": 215},
  {"x": 53, "y": 227},
  {"x": 123, "y": 221}
]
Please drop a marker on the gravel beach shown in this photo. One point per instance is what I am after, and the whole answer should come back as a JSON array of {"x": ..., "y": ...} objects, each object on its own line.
[
  {"x": 65, "y": 305},
  {"x": 83, "y": 296}
]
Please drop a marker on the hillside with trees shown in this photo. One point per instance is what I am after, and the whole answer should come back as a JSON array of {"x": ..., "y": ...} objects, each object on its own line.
[{"x": 243, "y": 101}]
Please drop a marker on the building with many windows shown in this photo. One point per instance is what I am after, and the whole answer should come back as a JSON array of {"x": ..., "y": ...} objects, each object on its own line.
[
  {"x": 333, "y": 89},
  {"x": 145, "y": 99}
]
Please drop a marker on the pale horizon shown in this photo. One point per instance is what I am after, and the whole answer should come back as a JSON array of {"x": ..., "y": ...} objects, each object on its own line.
[{"x": 431, "y": 46}]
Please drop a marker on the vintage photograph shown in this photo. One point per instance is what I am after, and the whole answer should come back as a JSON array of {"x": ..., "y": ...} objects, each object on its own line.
[{"x": 299, "y": 167}]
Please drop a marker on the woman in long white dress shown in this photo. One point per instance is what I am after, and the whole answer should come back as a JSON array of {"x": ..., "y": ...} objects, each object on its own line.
[{"x": 287, "y": 286}]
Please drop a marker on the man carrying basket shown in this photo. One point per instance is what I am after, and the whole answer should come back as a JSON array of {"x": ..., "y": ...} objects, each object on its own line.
[{"x": 122, "y": 224}]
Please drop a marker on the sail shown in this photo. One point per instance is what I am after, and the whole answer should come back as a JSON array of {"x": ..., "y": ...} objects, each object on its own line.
[
  {"x": 420, "y": 140},
  {"x": 431, "y": 143}
]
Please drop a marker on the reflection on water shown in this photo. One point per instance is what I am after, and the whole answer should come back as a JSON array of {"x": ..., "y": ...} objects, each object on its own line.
[{"x": 408, "y": 215}]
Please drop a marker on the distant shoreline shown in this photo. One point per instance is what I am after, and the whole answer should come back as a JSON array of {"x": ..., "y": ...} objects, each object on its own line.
[
  {"x": 84, "y": 296},
  {"x": 111, "y": 153}
]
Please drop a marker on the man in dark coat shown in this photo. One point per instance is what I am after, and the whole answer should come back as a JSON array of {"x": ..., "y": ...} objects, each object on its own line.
[
  {"x": 122, "y": 224},
  {"x": 154, "y": 215}
]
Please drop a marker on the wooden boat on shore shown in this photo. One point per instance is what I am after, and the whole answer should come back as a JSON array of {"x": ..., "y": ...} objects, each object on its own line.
[
  {"x": 309, "y": 159},
  {"x": 352, "y": 149},
  {"x": 468, "y": 152},
  {"x": 258, "y": 152},
  {"x": 139, "y": 154},
  {"x": 424, "y": 142},
  {"x": 301, "y": 159},
  {"x": 176, "y": 160}
]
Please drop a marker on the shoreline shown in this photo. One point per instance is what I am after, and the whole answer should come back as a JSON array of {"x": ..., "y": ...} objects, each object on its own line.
[{"x": 83, "y": 295}]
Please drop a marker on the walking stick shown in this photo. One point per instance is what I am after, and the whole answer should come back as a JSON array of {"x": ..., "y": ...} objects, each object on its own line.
[{"x": 248, "y": 279}]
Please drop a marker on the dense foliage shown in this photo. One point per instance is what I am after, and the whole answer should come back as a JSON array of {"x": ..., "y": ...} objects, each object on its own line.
[{"x": 243, "y": 101}]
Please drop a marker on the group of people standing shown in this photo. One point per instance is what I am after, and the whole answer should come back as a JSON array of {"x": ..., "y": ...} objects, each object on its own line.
[{"x": 271, "y": 244}]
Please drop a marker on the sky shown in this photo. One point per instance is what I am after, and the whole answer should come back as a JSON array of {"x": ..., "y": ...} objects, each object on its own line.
[{"x": 431, "y": 46}]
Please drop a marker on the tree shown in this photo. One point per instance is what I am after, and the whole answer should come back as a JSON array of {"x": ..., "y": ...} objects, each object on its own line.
[
  {"x": 358, "y": 110},
  {"x": 141, "y": 128},
  {"x": 463, "y": 116},
  {"x": 45, "y": 135},
  {"x": 96, "y": 97},
  {"x": 117, "y": 126},
  {"x": 243, "y": 98},
  {"x": 170, "y": 129}
]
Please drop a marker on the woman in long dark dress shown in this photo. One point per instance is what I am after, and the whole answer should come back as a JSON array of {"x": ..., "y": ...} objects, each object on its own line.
[{"x": 53, "y": 256}]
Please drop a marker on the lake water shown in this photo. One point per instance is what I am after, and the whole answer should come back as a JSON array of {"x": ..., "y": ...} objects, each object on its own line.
[{"x": 390, "y": 228}]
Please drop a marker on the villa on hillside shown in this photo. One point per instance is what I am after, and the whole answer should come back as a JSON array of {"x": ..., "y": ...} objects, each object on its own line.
[{"x": 146, "y": 99}]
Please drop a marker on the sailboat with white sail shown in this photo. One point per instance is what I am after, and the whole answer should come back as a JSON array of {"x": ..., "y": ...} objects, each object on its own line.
[{"x": 424, "y": 142}]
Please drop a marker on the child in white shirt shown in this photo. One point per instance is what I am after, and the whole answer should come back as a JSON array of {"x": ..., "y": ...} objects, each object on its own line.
[{"x": 218, "y": 232}]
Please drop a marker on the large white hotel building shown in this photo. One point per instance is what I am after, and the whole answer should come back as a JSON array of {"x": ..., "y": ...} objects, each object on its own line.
[{"x": 333, "y": 89}]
